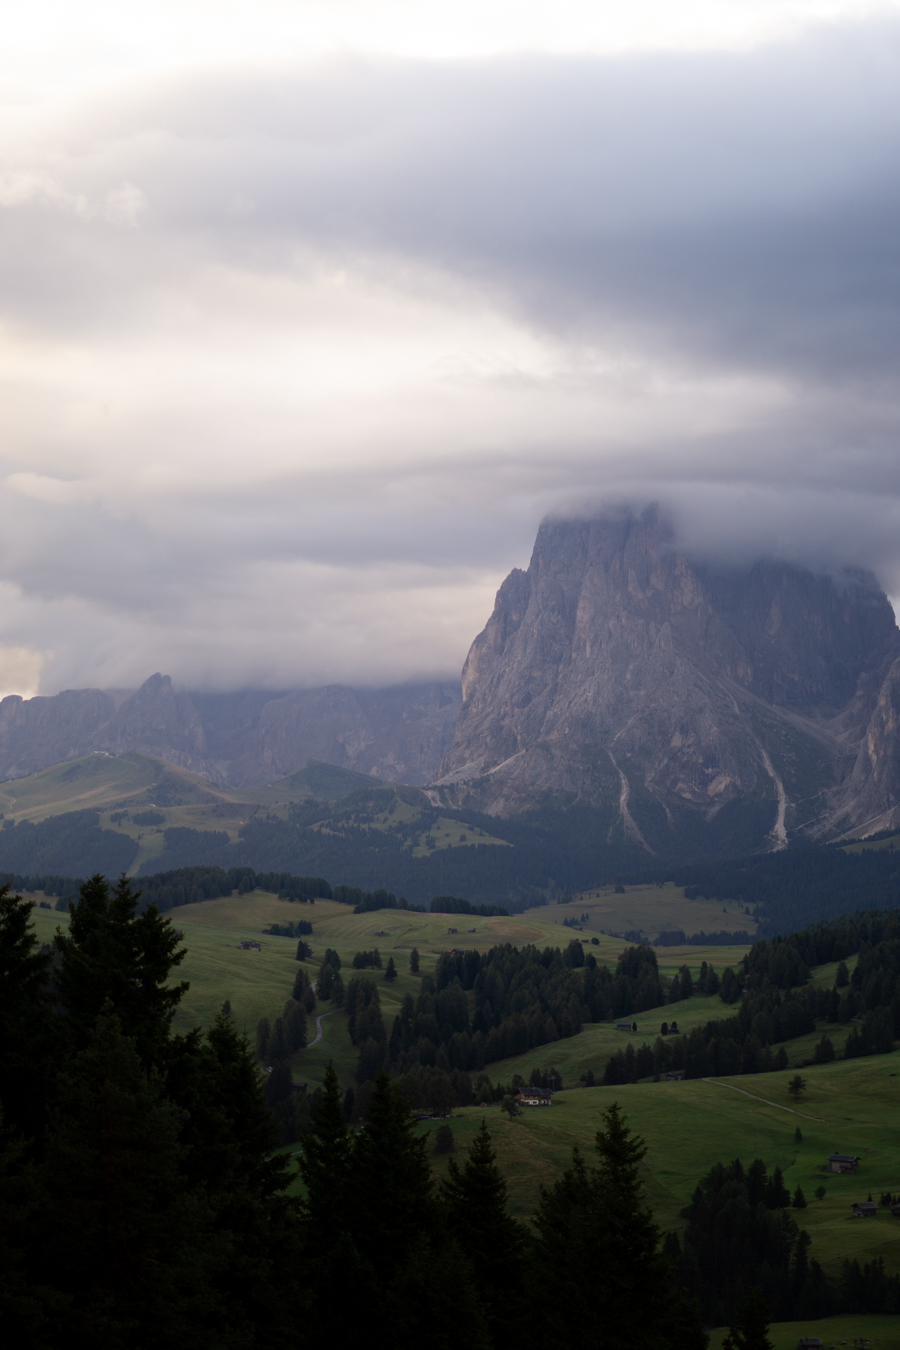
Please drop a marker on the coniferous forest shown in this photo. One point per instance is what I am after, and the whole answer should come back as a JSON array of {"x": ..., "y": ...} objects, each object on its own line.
[
  {"x": 144, "y": 1198},
  {"x": 143, "y": 1201}
]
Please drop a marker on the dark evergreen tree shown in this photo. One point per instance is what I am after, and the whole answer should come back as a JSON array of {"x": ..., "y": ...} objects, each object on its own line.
[
  {"x": 263, "y": 1038},
  {"x": 26, "y": 1035},
  {"x": 597, "y": 1246},
  {"x": 349, "y": 1107},
  {"x": 110, "y": 953},
  {"x": 324, "y": 1164},
  {"x": 390, "y": 971},
  {"x": 475, "y": 1200},
  {"x": 127, "y": 1243},
  {"x": 414, "y": 961},
  {"x": 777, "y": 1194},
  {"x": 229, "y": 1134},
  {"x": 752, "y": 1329},
  {"x": 391, "y": 1183}
]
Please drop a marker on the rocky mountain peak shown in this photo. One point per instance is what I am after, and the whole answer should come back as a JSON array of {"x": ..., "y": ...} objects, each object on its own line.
[{"x": 619, "y": 671}]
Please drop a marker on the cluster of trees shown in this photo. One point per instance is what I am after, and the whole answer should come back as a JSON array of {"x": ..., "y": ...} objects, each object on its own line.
[
  {"x": 141, "y": 1203},
  {"x": 452, "y": 904},
  {"x": 482, "y": 1007},
  {"x": 739, "y": 1235},
  {"x": 329, "y": 985},
  {"x": 777, "y": 1003},
  {"x": 367, "y": 960},
  {"x": 188, "y": 885},
  {"x": 63, "y": 888},
  {"x": 683, "y": 985},
  {"x": 366, "y": 902},
  {"x": 675, "y": 937},
  {"x": 72, "y": 843},
  {"x": 302, "y": 928}
]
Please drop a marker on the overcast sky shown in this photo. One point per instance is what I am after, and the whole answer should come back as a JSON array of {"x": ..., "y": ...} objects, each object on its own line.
[{"x": 310, "y": 312}]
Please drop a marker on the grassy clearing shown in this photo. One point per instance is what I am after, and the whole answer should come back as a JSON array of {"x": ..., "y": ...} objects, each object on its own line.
[
  {"x": 652, "y": 909},
  {"x": 881, "y": 1332},
  {"x": 868, "y": 845},
  {"x": 688, "y": 1126}
]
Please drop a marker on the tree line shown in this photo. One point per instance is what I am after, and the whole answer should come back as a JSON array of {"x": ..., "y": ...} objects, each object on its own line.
[
  {"x": 740, "y": 1235},
  {"x": 777, "y": 1003},
  {"x": 792, "y": 888},
  {"x": 479, "y": 1008}
]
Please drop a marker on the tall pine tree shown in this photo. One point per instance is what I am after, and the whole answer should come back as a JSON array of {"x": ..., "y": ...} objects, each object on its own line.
[{"x": 475, "y": 1202}]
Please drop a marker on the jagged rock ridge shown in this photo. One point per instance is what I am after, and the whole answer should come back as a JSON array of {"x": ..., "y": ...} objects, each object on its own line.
[
  {"x": 242, "y": 739},
  {"x": 685, "y": 699}
]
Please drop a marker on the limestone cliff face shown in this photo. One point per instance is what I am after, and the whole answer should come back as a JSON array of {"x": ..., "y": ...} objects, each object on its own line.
[
  {"x": 241, "y": 739},
  {"x": 615, "y": 670}
]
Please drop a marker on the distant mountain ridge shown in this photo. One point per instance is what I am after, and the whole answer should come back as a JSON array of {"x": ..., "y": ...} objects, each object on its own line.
[
  {"x": 699, "y": 709},
  {"x": 398, "y": 734}
]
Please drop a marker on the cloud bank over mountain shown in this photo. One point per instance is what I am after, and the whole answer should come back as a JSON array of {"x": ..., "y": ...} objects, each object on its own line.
[{"x": 297, "y": 352}]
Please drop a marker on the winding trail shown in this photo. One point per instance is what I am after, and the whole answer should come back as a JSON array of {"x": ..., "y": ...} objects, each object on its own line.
[
  {"x": 778, "y": 1107},
  {"x": 319, "y": 1020},
  {"x": 821, "y": 1120}
]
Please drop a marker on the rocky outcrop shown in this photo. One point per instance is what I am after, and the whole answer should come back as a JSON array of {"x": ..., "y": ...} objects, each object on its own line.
[
  {"x": 674, "y": 695},
  {"x": 399, "y": 734}
]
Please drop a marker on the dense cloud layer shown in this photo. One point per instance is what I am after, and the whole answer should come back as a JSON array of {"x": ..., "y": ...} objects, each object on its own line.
[{"x": 297, "y": 355}]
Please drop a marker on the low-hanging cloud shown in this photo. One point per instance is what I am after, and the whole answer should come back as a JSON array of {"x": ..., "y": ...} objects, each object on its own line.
[{"x": 295, "y": 356}]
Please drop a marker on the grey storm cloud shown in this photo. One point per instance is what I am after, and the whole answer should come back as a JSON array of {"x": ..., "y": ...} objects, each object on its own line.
[
  {"x": 743, "y": 205},
  {"x": 690, "y": 268}
]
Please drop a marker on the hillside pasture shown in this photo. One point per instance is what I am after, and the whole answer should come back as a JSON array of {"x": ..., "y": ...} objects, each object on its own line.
[
  {"x": 851, "y": 1106},
  {"x": 651, "y": 909}
]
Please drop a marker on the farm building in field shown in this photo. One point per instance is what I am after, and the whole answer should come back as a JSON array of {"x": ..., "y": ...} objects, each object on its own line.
[
  {"x": 251, "y": 946},
  {"x": 865, "y": 1209},
  {"x": 809, "y": 1343},
  {"x": 626, "y": 1026},
  {"x": 842, "y": 1162},
  {"x": 534, "y": 1096},
  {"x": 895, "y": 1210},
  {"x": 674, "y": 1075}
]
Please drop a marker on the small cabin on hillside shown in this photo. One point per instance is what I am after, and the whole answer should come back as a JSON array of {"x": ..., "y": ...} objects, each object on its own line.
[
  {"x": 895, "y": 1211},
  {"x": 674, "y": 1075},
  {"x": 809, "y": 1343},
  {"x": 251, "y": 946},
  {"x": 842, "y": 1162},
  {"x": 865, "y": 1209},
  {"x": 534, "y": 1096},
  {"x": 625, "y": 1026}
]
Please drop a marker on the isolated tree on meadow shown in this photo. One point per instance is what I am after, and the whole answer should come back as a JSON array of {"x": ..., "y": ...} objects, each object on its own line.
[
  {"x": 414, "y": 961},
  {"x": 797, "y": 1087},
  {"x": 511, "y": 1107},
  {"x": 799, "y": 1200},
  {"x": 390, "y": 972}
]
